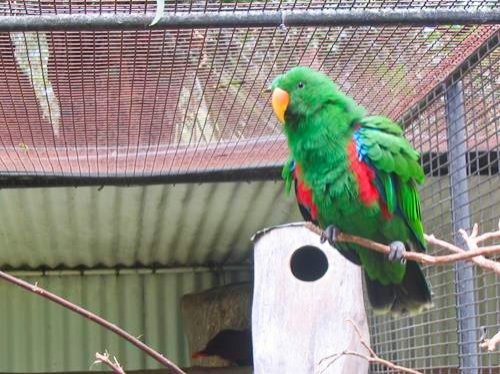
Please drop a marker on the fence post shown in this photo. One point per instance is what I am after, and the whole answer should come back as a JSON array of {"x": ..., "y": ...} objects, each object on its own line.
[{"x": 464, "y": 272}]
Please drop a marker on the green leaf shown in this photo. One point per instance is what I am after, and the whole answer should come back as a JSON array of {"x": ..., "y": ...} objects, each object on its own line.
[{"x": 160, "y": 10}]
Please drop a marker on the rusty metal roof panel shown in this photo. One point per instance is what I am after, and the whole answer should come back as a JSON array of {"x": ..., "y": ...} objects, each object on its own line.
[{"x": 152, "y": 102}]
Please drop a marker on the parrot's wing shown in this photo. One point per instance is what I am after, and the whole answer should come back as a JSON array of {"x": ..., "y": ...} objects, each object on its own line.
[
  {"x": 380, "y": 144},
  {"x": 302, "y": 193},
  {"x": 287, "y": 174},
  {"x": 381, "y": 141}
]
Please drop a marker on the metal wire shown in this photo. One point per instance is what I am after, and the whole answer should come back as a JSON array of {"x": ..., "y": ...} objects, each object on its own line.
[
  {"x": 430, "y": 342},
  {"x": 36, "y": 7},
  {"x": 148, "y": 103},
  {"x": 191, "y": 105}
]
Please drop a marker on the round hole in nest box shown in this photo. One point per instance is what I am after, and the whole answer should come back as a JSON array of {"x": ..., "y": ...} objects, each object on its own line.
[{"x": 308, "y": 263}]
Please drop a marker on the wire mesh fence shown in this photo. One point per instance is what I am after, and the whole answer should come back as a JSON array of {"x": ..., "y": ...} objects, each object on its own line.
[
  {"x": 165, "y": 102},
  {"x": 446, "y": 337}
]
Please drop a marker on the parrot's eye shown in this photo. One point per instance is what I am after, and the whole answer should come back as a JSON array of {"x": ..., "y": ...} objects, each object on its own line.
[{"x": 300, "y": 85}]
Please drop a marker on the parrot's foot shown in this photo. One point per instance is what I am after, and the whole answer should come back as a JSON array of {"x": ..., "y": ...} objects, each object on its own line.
[
  {"x": 397, "y": 252},
  {"x": 330, "y": 234}
]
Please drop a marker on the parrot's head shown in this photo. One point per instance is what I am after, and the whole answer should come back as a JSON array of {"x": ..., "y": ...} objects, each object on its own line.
[{"x": 302, "y": 92}]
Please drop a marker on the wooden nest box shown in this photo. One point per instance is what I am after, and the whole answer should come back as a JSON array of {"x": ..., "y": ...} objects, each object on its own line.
[{"x": 304, "y": 293}]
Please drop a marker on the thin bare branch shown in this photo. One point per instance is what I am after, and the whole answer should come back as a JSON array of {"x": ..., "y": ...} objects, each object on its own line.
[
  {"x": 491, "y": 344},
  {"x": 431, "y": 239},
  {"x": 37, "y": 290},
  {"x": 472, "y": 241},
  {"x": 480, "y": 261},
  {"x": 487, "y": 235},
  {"x": 372, "y": 358},
  {"x": 104, "y": 358},
  {"x": 361, "y": 339},
  {"x": 422, "y": 258},
  {"x": 336, "y": 356}
]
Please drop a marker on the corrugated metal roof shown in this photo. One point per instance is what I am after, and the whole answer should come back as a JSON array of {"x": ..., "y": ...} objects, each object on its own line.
[
  {"x": 181, "y": 225},
  {"x": 39, "y": 336}
]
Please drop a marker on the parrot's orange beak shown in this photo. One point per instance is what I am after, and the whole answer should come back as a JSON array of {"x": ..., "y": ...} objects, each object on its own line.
[{"x": 280, "y": 100}]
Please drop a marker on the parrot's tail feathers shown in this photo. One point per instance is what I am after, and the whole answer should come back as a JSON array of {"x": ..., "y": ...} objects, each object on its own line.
[
  {"x": 414, "y": 290},
  {"x": 410, "y": 297},
  {"x": 381, "y": 297}
]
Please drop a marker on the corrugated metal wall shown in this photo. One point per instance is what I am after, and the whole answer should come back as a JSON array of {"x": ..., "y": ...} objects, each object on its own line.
[
  {"x": 184, "y": 225},
  {"x": 38, "y": 336},
  {"x": 150, "y": 226}
]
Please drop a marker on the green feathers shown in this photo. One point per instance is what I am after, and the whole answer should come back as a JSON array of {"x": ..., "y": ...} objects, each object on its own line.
[
  {"x": 409, "y": 203},
  {"x": 398, "y": 170},
  {"x": 287, "y": 175},
  {"x": 381, "y": 123},
  {"x": 389, "y": 191},
  {"x": 388, "y": 150}
]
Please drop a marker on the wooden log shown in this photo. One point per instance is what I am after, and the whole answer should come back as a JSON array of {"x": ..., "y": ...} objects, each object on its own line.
[
  {"x": 296, "y": 323},
  {"x": 206, "y": 313}
]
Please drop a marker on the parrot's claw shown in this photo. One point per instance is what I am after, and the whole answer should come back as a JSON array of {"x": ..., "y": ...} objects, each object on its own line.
[
  {"x": 397, "y": 252},
  {"x": 330, "y": 234}
]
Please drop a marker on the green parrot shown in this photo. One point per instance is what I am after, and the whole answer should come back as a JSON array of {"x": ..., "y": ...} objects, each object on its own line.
[{"x": 356, "y": 174}]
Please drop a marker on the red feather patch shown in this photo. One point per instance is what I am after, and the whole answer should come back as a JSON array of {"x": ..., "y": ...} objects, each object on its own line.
[
  {"x": 385, "y": 212},
  {"x": 368, "y": 193},
  {"x": 365, "y": 177},
  {"x": 304, "y": 194}
]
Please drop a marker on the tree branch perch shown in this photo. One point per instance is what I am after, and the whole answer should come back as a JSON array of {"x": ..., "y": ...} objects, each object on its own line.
[
  {"x": 490, "y": 344},
  {"x": 474, "y": 254},
  {"x": 104, "y": 358},
  {"x": 93, "y": 317}
]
